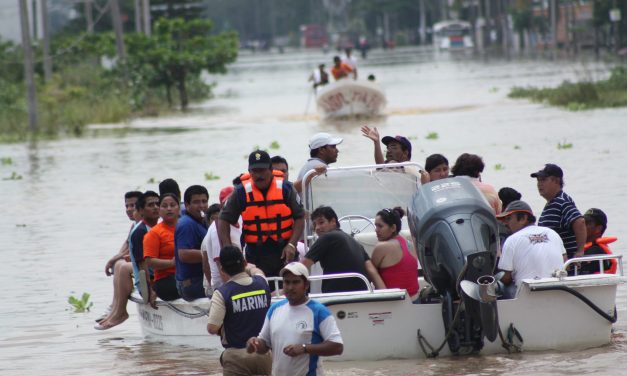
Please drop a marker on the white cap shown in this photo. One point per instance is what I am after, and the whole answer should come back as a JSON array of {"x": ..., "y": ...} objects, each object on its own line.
[
  {"x": 323, "y": 139},
  {"x": 295, "y": 268}
]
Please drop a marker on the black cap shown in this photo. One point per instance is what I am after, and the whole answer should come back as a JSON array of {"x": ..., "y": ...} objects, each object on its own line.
[
  {"x": 259, "y": 159},
  {"x": 401, "y": 140},
  {"x": 597, "y": 216},
  {"x": 549, "y": 169},
  {"x": 230, "y": 256}
]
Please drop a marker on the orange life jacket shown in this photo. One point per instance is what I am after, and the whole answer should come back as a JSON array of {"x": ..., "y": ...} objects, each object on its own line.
[
  {"x": 602, "y": 243},
  {"x": 266, "y": 217}
]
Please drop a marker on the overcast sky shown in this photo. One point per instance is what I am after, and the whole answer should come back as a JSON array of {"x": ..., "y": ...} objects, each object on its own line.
[{"x": 10, "y": 20}]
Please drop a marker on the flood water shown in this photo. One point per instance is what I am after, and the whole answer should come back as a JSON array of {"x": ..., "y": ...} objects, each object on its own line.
[{"x": 64, "y": 218}]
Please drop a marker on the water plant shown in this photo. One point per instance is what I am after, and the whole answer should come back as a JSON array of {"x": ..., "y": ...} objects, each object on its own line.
[
  {"x": 6, "y": 161},
  {"x": 564, "y": 145},
  {"x": 432, "y": 136},
  {"x": 517, "y": 147},
  {"x": 210, "y": 176},
  {"x": 80, "y": 305},
  {"x": 499, "y": 167},
  {"x": 151, "y": 181},
  {"x": 274, "y": 145},
  {"x": 14, "y": 176}
]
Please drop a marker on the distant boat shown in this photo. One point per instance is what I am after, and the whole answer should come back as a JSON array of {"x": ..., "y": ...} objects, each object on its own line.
[{"x": 346, "y": 98}]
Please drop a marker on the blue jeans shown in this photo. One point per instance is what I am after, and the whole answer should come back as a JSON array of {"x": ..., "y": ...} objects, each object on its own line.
[{"x": 191, "y": 288}]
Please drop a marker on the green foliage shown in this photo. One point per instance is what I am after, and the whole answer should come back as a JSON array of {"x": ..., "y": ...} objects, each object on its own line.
[
  {"x": 581, "y": 95},
  {"x": 564, "y": 145},
  {"x": 210, "y": 176},
  {"x": 432, "y": 136},
  {"x": 152, "y": 181},
  {"x": 274, "y": 145},
  {"x": 499, "y": 167},
  {"x": 6, "y": 161},
  {"x": 517, "y": 147},
  {"x": 80, "y": 305},
  {"x": 14, "y": 176}
]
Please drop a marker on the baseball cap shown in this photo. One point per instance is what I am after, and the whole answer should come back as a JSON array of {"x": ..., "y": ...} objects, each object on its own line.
[
  {"x": 516, "y": 207},
  {"x": 230, "y": 256},
  {"x": 597, "y": 216},
  {"x": 225, "y": 193},
  {"x": 323, "y": 139},
  {"x": 401, "y": 140},
  {"x": 259, "y": 159},
  {"x": 295, "y": 268},
  {"x": 549, "y": 169}
]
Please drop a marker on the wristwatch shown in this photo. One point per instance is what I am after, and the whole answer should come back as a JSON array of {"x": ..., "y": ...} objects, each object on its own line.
[{"x": 305, "y": 348}]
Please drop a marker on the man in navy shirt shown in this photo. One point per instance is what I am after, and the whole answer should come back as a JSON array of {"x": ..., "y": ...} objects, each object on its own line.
[
  {"x": 190, "y": 231},
  {"x": 560, "y": 213}
]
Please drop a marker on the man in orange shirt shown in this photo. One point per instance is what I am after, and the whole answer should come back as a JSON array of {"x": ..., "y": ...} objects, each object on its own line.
[{"x": 340, "y": 70}]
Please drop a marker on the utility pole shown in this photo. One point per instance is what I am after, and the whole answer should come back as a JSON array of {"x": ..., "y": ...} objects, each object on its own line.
[
  {"x": 28, "y": 67},
  {"x": 35, "y": 23},
  {"x": 422, "y": 29},
  {"x": 89, "y": 15},
  {"x": 146, "y": 17},
  {"x": 117, "y": 27},
  {"x": 138, "y": 16},
  {"x": 46, "y": 34}
]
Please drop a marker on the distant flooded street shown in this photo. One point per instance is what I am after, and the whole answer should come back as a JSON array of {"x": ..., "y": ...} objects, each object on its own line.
[{"x": 63, "y": 208}]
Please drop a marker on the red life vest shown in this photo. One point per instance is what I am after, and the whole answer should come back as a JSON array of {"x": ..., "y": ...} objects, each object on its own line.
[
  {"x": 266, "y": 217},
  {"x": 602, "y": 243}
]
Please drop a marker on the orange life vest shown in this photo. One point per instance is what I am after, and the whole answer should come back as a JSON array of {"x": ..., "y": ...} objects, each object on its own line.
[
  {"x": 269, "y": 216},
  {"x": 602, "y": 243}
]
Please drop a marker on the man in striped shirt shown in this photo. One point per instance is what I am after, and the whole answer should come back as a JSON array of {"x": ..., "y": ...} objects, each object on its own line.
[{"x": 560, "y": 212}]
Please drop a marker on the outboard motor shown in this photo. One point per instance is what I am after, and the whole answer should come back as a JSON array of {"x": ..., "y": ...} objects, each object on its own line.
[{"x": 457, "y": 234}]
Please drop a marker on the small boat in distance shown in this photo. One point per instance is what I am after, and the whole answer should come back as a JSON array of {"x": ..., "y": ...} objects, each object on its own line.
[{"x": 348, "y": 98}]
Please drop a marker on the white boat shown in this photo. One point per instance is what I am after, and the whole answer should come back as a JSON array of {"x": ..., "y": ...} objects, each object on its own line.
[
  {"x": 452, "y": 35},
  {"x": 560, "y": 313},
  {"x": 347, "y": 97}
]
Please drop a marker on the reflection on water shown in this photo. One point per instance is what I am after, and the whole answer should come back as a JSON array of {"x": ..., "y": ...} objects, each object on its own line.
[{"x": 65, "y": 217}]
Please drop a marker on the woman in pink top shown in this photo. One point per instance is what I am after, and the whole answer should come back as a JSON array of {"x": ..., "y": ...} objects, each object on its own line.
[{"x": 395, "y": 260}]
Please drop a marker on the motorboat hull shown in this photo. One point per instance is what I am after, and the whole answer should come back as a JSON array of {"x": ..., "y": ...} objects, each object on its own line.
[{"x": 347, "y": 98}]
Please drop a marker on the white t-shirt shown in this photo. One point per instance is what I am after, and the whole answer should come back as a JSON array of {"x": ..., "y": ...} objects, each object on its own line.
[
  {"x": 310, "y": 322},
  {"x": 350, "y": 61},
  {"x": 311, "y": 164},
  {"x": 532, "y": 252},
  {"x": 211, "y": 245}
]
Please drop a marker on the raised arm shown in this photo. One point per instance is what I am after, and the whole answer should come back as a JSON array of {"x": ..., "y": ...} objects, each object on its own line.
[{"x": 373, "y": 134}]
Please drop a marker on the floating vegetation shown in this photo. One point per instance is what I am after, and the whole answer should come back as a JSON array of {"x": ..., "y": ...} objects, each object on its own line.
[
  {"x": 564, "y": 145},
  {"x": 152, "y": 181},
  {"x": 6, "y": 161},
  {"x": 412, "y": 137},
  {"x": 14, "y": 176},
  {"x": 210, "y": 176},
  {"x": 80, "y": 305},
  {"x": 274, "y": 145},
  {"x": 499, "y": 167},
  {"x": 577, "y": 96},
  {"x": 432, "y": 136},
  {"x": 516, "y": 147},
  {"x": 493, "y": 89}
]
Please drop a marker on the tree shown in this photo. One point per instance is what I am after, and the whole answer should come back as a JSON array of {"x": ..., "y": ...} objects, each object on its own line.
[{"x": 179, "y": 50}]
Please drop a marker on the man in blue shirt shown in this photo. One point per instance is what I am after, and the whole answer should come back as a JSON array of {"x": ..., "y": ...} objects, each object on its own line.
[
  {"x": 190, "y": 231},
  {"x": 560, "y": 213}
]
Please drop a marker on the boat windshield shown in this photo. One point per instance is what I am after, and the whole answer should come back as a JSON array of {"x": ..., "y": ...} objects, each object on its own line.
[{"x": 363, "y": 191}]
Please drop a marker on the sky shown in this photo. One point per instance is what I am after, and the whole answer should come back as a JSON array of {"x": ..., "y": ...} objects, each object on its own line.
[{"x": 10, "y": 20}]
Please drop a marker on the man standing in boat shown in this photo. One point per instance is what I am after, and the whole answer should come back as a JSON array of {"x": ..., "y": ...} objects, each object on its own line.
[
  {"x": 323, "y": 151},
  {"x": 340, "y": 70},
  {"x": 272, "y": 216},
  {"x": 530, "y": 251},
  {"x": 299, "y": 330},
  {"x": 560, "y": 212},
  {"x": 238, "y": 310},
  {"x": 319, "y": 77}
]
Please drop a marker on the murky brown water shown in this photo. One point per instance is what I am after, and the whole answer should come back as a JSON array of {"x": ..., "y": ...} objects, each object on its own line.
[{"x": 64, "y": 218}]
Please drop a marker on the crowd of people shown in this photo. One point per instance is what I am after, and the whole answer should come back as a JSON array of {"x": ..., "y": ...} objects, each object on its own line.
[
  {"x": 343, "y": 67},
  {"x": 192, "y": 250}
]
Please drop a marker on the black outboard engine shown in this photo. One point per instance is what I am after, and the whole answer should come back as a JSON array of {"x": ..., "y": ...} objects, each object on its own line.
[{"x": 456, "y": 233}]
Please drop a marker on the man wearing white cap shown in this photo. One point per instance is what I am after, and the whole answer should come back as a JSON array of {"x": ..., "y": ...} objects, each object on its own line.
[
  {"x": 531, "y": 251},
  {"x": 323, "y": 151},
  {"x": 298, "y": 330}
]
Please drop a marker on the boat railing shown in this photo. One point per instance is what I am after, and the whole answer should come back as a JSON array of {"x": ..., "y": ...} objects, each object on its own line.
[
  {"x": 599, "y": 258},
  {"x": 276, "y": 280}
]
